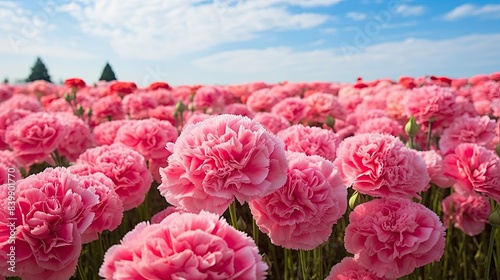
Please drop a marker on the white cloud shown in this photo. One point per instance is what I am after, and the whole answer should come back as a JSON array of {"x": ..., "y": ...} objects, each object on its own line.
[
  {"x": 164, "y": 29},
  {"x": 406, "y": 10},
  {"x": 356, "y": 16},
  {"x": 415, "y": 57},
  {"x": 470, "y": 10}
]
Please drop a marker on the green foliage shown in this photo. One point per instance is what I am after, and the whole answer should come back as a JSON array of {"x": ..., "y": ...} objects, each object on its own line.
[
  {"x": 107, "y": 74},
  {"x": 39, "y": 72},
  {"x": 6, "y": 80}
]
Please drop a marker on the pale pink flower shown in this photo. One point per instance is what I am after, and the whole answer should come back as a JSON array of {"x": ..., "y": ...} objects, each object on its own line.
[
  {"x": 163, "y": 97},
  {"x": 164, "y": 113},
  {"x": 383, "y": 125},
  {"x": 52, "y": 210},
  {"x": 40, "y": 88},
  {"x": 209, "y": 99},
  {"x": 148, "y": 137},
  {"x": 311, "y": 141},
  {"x": 105, "y": 133},
  {"x": 488, "y": 90},
  {"x": 466, "y": 129},
  {"x": 108, "y": 212},
  {"x": 78, "y": 139},
  {"x": 219, "y": 159},
  {"x": 434, "y": 162},
  {"x": 184, "y": 246},
  {"x": 301, "y": 214},
  {"x": 293, "y": 109},
  {"x": 474, "y": 168},
  {"x": 7, "y": 118},
  {"x": 158, "y": 217},
  {"x": 34, "y": 137},
  {"x": 20, "y": 101},
  {"x": 321, "y": 105},
  {"x": 263, "y": 100},
  {"x": 137, "y": 105},
  {"x": 393, "y": 236},
  {"x": 468, "y": 213},
  {"x": 272, "y": 122},
  {"x": 126, "y": 167},
  {"x": 432, "y": 104},
  {"x": 107, "y": 109},
  {"x": 349, "y": 269},
  {"x": 381, "y": 166},
  {"x": 238, "y": 109}
]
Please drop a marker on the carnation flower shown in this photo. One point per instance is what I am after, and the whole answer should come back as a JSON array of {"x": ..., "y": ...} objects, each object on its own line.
[
  {"x": 52, "y": 210},
  {"x": 107, "y": 109},
  {"x": 434, "y": 163},
  {"x": 184, "y": 246},
  {"x": 221, "y": 158},
  {"x": 124, "y": 166},
  {"x": 105, "y": 133},
  {"x": 301, "y": 214},
  {"x": 108, "y": 212},
  {"x": 393, "y": 236},
  {"x": 272, "y": 122},
  {"x": 468, "y": 213},
  {"x": 383, "y": 125},
  {"x": 7, "y": 118},
  {"x": 293, "y": 109},
  {"x": 208, "y": 99},
  {"x": 320, "y": 105},
  {"x": 474, "y": 168},
  {"x": 35, "y": 137},
  {"x": 310, "y": 140},
  {"x": 21, "y": 101},
  {"x": 238, "y": 109},
  {"x": 262, "y": 100},
  {"x": 349, "y": 269},
  {"x": 466, "y": 129},
  {"x": 381, "y": 166},
  {"x": 137, "y": 105},
  {"x": 78, "y": 139}
]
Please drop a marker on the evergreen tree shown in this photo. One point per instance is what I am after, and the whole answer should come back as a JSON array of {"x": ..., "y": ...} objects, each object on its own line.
[
  {"x": 107, "y": 74},
  {"x": 39, "y": 72},
  {"x": 6, "y": 80}
]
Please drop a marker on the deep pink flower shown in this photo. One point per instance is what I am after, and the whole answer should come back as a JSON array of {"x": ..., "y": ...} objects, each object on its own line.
[
  {"x": 162, "y": 96},
  {"x": 5, "y": 92},
  {"x": 381, "y": 166},
  {"x": 238, "y": 109},
  {"x": 184, "y": 246},
  {"x": 164, "y": 113},
  {"x": 321, "y": 105},
  {"x": 293, "y": 109},
  {"x": 263, "y": 100},
  {"x": 7, "y": 118},
  {"x": 148, "y": 137},
  {"x": 107, "y": 108},
  {"x": 108, "y": 212},
  {"x": 209, "y": 99},
  {"x": 221, "y": 158},
  {"x": 474, "y": 168},
  {"x": 9, "y": 170},
  {"x": 301, "y": 214},
  {"x": 105, "y": 133},
  {"x": 34, "y": 137},
  {"x": 466, "y": 129},
  {"x": 392, "y": 237},
  {"x": 383, "y": 125},
  {"x": 272, "y": 122},
  {"x": 124, "y": 166},
  {"x": 434, "y": 162},
  {"x": 311, "y": 141},
  {"x": 431, "y": 104},
  {"x": 468, "y": 213},
  {"x": 349, "y": 269},
  {"x": 52, "y": 210},
  {"x": 78, "y": 139},
  {"x": 137, "y": 105}
]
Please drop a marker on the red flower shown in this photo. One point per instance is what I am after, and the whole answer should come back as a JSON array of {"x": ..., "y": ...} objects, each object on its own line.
[
  {"x": 159, "y": 85},
  {"x": 75, "y": 83},
  {"x": 122, "y": 88}
]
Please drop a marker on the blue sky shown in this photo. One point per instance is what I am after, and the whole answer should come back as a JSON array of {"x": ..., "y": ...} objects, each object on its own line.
[{"x": 237, "y": 41}]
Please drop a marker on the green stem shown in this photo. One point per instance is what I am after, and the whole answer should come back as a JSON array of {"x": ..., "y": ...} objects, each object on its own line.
[
  {"x": 318, "y": 255},
  {"x": 255, "y": 232},
  {"x": 447, "y": 249},
  {"x": 232, "y": 213},
  {"x": 286, "y": 256},
  {"x": 429, "y": 136},
  {"x": 303, "y": 264},
  {"x": 490, "y": 251}
]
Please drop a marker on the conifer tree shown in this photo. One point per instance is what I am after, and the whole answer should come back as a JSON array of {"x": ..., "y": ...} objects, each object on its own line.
[
  {"x": 39, "y": 72},
  {"x": 107, "y": 74}
]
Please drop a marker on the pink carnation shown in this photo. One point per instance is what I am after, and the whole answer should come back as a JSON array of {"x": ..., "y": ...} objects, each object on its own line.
[
  {"x": 107, "y": 109},
  {"x": 311, "y": 141},
  {"x": 52, "y": 210},
  {"x": 5, "y": 92},
  {"x": 163, "y": 97},
  {"x": 195, "y": 117},
  {"x": 466, "y": 129},
  {"x": 321, "y": 105},
  {"x": 349, "y": 269},
  {"x": 474, "y": 168},
  {"x": 468, "y": 213},
  {"x": 301, "y": 214},
  {"x": 105, "y": 133},
  {"x": 293, "y": 109},
  {"x": 108, "y": 212},
  {"x": 34, "y": 137},
  {"x": 221, "y": 158},
  {"x": 148, "y": 137},
  {"x": 78, "y": 139},
  {"x": 431, "y": 104},
  {"x": 383, "y": 125},
  {"x": 272, "y": 122},
  {"x": 160, "y": 216},
  {"x": 392, "y": 237},
  {"x": 184, "y": 246},
  {"x": 21, "y": 101},
  {"x": 9, "y": 171},
  {"x": 381, "y": 166},
  {"x": 238, "y": 109},
  {"x": 124, "y": 166},
  {"x": 137, "y": 105},
  {"x": 208, "y": 99},
  {"x": 7, "y": 118},
  {"x": 435, "y": 168},
  {"x": 164, "y": 113},
  {"x": 262, "y": 100}
]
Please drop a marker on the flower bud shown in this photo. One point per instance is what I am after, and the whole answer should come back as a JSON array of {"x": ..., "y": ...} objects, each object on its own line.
[
  {"x": 494, "y": 217},
  {"x": 411, "y": 127}
]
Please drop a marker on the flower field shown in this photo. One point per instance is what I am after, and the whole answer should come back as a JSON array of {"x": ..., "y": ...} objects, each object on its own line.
[{"x": 367, "y": 180}]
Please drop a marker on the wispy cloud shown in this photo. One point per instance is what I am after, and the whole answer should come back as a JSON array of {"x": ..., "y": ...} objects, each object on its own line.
[
  {"x": 470, "y": 10},
  {"x": 356, "y": 16},
  {"x": 165, "y": 29},
  {"x": 407, "y": 10}
]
